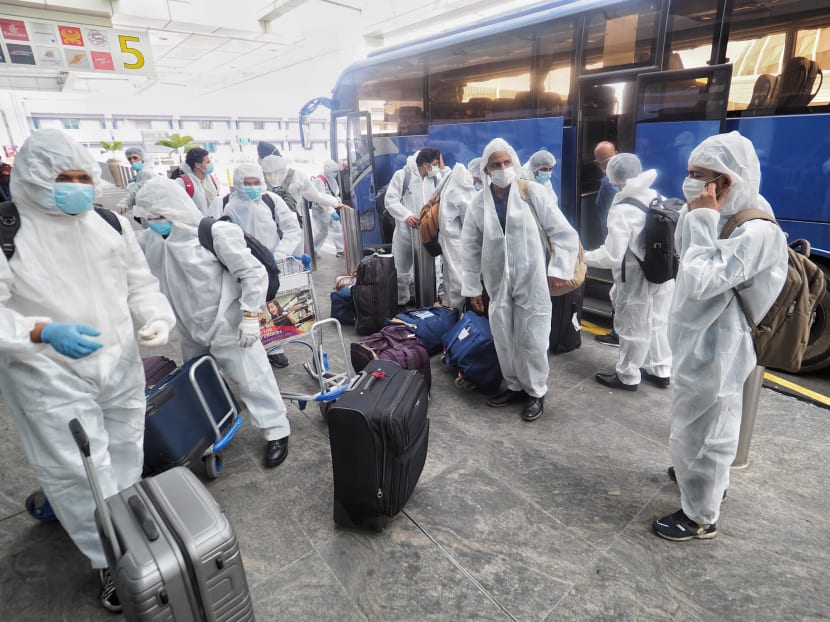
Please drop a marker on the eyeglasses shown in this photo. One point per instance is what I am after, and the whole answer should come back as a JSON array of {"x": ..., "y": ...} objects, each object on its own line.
[{"x": 602, "y": 161}]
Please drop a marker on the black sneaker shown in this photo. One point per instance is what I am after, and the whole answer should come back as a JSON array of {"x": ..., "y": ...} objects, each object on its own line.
[
  {"x": 339, "y": 254},
  {"x": 673, "y": 477},
  {"x": 278, "y": 360},
  {"x": 679, "y": 528},
  {"x": 609, "y": 339},
  {"x": 108, "y": 595},
  {"x": 39, "y": 507}
]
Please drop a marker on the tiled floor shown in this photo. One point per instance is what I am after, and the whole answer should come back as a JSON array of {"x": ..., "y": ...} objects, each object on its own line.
[{"x": 510, "y": 521}]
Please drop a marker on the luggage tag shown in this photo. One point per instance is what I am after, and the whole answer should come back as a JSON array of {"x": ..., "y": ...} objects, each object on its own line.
[
  {"x": 422, "y": 314},
  {"x": 465, "y": 332},
  {"x": 575, "y": 321}
]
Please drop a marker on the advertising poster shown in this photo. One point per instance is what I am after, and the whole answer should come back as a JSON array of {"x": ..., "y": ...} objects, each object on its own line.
[
  {"x": 20, "y": 54},
  {"x": 74, "y": 47}
]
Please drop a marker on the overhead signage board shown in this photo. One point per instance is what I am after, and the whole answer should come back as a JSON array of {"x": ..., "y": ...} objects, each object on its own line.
[{"x": 65, "y": 46}]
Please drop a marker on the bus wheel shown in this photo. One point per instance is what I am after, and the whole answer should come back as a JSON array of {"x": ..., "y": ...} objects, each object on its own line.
[{"x": 817, "y": 355}]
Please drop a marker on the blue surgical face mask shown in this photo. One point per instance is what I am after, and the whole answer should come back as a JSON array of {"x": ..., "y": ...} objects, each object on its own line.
[
  {"x": 543, "y": 177},
  {"x": 209, "y": 169},
  {"x": 162, "y": 227},
  {"x": 73, "y": 198},
  {"x": 137, "y": 165},
  {"x": 253, "y": 192}
]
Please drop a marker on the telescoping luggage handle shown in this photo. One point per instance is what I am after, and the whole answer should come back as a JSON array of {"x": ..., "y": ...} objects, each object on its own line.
[
  {"x": 137, "y": 506},
  {"x": 370, "y": 378}
]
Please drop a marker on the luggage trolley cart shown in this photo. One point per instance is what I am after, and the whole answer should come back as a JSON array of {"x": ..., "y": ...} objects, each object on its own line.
[
  {"x": 291, "y": 317},
  {"x": 191, "y": 414}
]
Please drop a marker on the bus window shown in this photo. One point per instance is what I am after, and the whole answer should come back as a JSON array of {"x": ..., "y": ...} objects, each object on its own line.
[
  {"x": 621, "y": 37},
  {"x": 815, "y": 44},
  {"x": 763, "y": 40},
  {"x": 393, "y": 93},
  {"x": 555, "y": 62},
  {"x": 689, "y": 36},
  {"x": 481, "y": 80}
]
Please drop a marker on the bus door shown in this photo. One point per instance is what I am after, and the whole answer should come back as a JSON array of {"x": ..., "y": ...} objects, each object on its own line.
[
  {"x": 676, "y": 110},
  {"x": 606, "y": 113},
  {"x": 352, "y": 136}
]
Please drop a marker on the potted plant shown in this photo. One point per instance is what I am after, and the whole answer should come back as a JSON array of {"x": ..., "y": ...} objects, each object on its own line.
[
  {"x": 177, "y": 144},
  {"x": 113, "y": 164}
]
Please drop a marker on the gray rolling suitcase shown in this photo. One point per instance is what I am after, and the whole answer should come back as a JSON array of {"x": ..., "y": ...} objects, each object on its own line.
[{"x": 172, "y": 552}]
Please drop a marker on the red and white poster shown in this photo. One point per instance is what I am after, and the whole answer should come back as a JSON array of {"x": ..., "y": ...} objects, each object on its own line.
[
  {"x": 13, "y": 30},
  {"x": 102, "y": 61}
]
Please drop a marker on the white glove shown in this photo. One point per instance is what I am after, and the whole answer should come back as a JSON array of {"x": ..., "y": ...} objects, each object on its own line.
[
  {"x": 154, "y": 334},
  {"x": 248, "y": 333}
]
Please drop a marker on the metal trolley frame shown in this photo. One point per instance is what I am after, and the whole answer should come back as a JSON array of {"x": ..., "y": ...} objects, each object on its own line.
[{"x": 297, "y": 277}]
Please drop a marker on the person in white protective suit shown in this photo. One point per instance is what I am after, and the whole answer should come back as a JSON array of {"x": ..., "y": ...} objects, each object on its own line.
[
  {"x": 502, "y": 244},
  {"x": 539, "y": 168},
  {"x": 289, "y": 184},
  {"x": 408, "y": 191},
  {"x": 709, "y": 336},
  {"x": 198, "y": 180},
  {"x": 143, "y": 170},
  {"x": 323, "y": 192},
  {"x": 71, "y": 297},
  {"x": 216, "y": 299},
  {"x": 278, "y": 231},
  {"x": 456, "y": 195},
  {"x": 641, "y": 307},
  {"x": 474, "y": 168}
]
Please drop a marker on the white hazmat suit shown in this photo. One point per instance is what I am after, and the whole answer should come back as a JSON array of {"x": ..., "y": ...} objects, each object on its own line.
[
  {"x": 255, "y": 217},
  {"x": 402, "y": 203},
  {"x": 209, "y": 298},
  {"x": 708, "y": 333},
  {"x": 203, "y": 191},
  {"x": 146, "y": 173},
  {"x": 641, "y": 307},
  {"x": 324, "y": 195},
  {"x": 512, "y": 264},
  {"x": 74, "y": 269},
  {"x": 455, "y": 199}
]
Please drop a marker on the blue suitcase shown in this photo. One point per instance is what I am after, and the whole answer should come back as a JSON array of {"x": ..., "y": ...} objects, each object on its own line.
[
  {"x": 191, "y": 415},
  {"x": 429, "y": 324},
  {"x": 469, "y": 347}
]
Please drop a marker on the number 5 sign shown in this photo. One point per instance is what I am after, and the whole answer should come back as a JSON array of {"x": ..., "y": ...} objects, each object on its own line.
[{"x": 75, "y": 47}]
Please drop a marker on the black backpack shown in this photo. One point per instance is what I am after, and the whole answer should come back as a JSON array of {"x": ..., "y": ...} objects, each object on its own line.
[
  {"x": 661, "y": 260},
  {"x": 282, "y": 191},
  {"x": 257, "y": 248},
  {"x": 265, "y": 199},
  {"x": 10, "y": 225}
]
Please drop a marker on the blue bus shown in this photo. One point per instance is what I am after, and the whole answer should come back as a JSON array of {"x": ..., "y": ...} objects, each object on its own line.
[{"x": 655, "y": 77}]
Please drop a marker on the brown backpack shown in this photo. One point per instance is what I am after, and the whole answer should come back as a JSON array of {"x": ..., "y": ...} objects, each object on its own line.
[
  {"x": 428, "y": 225},
  {"x": 428, "y": 219},
  {"x": 781, "y": 337},
  {"x": 580, "y": 269}
]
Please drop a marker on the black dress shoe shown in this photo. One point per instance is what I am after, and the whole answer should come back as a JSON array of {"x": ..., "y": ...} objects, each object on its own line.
[
  {"x": 534, "y": 409},
  {"x": 278, "y": 360},
  {"x": 508, "y": 396},
  {"x": 276, "y": 452},
  {"x": 657, "y": 381},
  {"x": 613, "y": 381}
]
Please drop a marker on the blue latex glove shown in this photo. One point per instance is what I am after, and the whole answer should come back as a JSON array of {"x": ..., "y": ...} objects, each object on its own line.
[
  {"x": 68, "y": 339},
  {"x": 335, "y": 217}
]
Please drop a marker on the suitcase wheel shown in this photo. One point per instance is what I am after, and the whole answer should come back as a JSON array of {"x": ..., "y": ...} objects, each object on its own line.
[{"x": 213, "y": 465}]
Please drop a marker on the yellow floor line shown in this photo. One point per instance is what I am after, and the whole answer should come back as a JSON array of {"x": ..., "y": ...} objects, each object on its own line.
[
  {"x": 807, "y": 393},
  {"x": 593, "y": 328},
  {"x": 797, "y": 388}
]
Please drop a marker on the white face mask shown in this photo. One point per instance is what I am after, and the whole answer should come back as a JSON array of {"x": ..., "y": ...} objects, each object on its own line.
[
  {"x": 503, "y": 177},
  {"x": 433, "y": 172},
  {"x": 692, "y": 188}
]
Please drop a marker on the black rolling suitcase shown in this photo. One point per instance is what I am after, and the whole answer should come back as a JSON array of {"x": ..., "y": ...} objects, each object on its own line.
[
  {"x": 379, "y": 433},
  {"x": 375, "y": 293},
  {"x": 171, "y": 550},
  {"x": 565, "y": 318}
]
